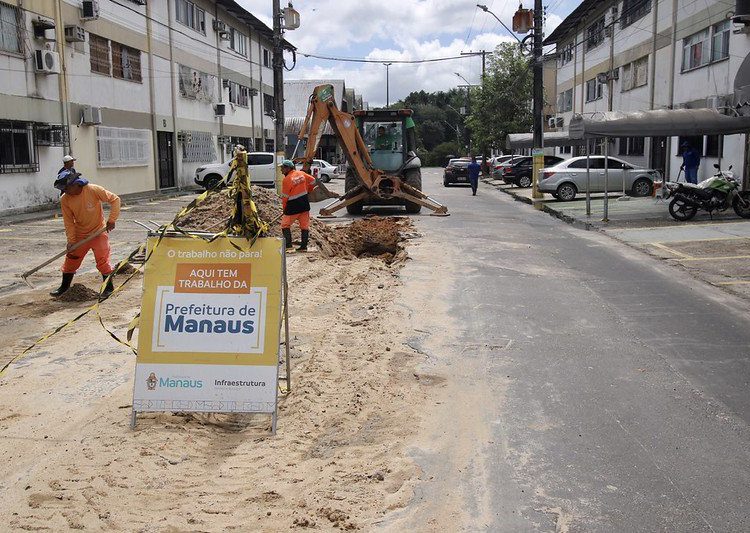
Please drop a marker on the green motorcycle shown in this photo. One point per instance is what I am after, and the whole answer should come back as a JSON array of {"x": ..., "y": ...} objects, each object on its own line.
[{"x": 714, "y": 194}]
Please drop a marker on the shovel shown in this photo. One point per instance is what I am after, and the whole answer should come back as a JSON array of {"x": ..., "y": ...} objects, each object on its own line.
[{"x": 58, "y": 256}]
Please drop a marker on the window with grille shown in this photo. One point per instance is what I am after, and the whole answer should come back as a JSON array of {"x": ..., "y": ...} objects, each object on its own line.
[
  {"x": 122, "y": 147},
  {"x": 126, "y": 62},
  {"x": 190, "y": 15},
  {"x": 239, "y": 94},
  {"x": 99, "y": 54},
  {"x": 18, "y": 151},
  {"x": 237, "y": 42},
  {"x": 595, "y": 34},
  {"x": 51, "y": 135},
  {"x": 200, "y": 149},
  {"x": 632, "y": 10},
  {"x": 9, "y": 24}
]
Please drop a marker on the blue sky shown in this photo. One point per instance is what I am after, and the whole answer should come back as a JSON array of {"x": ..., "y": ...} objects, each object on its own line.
[{"x": 399, "y": 30}]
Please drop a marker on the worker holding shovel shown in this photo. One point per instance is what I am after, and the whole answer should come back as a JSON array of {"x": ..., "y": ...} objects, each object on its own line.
[{"x": 84, "y": 220}]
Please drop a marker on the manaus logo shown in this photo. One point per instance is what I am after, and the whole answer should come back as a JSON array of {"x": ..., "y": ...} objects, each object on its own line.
[{"x": 172, "y": 383}]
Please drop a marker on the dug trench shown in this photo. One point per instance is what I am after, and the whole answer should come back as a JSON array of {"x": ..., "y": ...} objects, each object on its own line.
[{"x": 338, "y": 460}]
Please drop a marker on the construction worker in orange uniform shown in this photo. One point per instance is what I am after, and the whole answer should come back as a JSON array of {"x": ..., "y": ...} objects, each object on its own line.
[
  {"x": 83, "y": 215},
  {"x": 294, "y": 189}
]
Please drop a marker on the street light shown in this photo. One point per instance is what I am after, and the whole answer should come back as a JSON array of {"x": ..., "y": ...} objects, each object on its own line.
[
  {"x": 387, "y": 85},
  {"x": 487, "y": 10}
]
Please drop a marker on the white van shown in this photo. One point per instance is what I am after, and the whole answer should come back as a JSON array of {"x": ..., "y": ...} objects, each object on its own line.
[{"x": 260, "y": 164}]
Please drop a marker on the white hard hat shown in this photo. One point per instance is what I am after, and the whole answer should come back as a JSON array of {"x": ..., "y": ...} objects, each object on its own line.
[{"x": 68, "y": 158}]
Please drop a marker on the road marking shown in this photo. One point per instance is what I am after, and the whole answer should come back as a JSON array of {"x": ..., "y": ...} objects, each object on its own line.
[
  {"x": 705, "y": 258},
  {"x": 743, "y": 282},
  {"x": 670, "y": 250}
]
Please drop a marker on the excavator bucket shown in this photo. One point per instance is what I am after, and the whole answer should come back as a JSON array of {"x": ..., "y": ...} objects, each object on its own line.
[{"x": 321, "y": 192}]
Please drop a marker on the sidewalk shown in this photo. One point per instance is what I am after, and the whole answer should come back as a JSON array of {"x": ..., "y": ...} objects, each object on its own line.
[{"x": 716, "y": 251}]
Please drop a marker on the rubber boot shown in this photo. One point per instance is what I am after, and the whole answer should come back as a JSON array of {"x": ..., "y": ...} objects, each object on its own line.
[
  {"x": 305, "y": 239},
  {"x": 287, "y": 238},
  {"x": 67, "y": 279},
  {"x": 109, "y": 287}
]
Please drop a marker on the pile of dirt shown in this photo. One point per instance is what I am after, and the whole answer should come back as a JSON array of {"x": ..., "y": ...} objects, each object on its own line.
[
  {"x": 369, "y": 237},
  {"x": 78, "y": 293}
]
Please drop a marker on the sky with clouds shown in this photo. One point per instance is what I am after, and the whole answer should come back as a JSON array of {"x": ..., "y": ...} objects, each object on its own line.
[{"x": 398, "y": 30}]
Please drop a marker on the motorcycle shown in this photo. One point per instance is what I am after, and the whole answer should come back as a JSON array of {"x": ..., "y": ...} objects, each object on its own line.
[{"x": 714, "y": 194}]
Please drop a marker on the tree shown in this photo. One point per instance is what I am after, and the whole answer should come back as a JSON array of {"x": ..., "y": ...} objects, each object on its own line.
[{"x": 502, "y": 104}]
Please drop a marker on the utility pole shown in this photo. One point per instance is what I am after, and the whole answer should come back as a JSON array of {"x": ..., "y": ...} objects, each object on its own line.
[
  {"x": 538, "y": 150},
  {"x": 485, "y": 167},
  {"x": 278, "y": 78},
  {"x": 387, "y": 85}
]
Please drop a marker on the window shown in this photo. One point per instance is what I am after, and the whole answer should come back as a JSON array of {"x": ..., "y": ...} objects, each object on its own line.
[
  {"x": 714, "y": 146},
  {"x": 565, "y": 101},
  {"x": 51, "y": 135},
  {"x": 260, "y": 159},
  {"x": 200, "y": 149},
  {"x": 99, "y": 54},
  {"x": 9, "y": 40},
  {"x": 633, "y": 10},
  {"x": 267, "y": 104},
  {"x": 239, "y": 94},
  {"x": 17, "y": 149},
  {"x": 122, "y": 147},
  {"x": 237, "y": 42},
  {"x": 594, "y": 90},
  {"x": 190, "y": 15},
  {"x": 595, "y": 34},
  {"x": 594, "y": 163},
  {"x": 266, "y": 58},
  {"x": 720, "y": 41},
  {"x": 566, "y": 149},
  {"x": 694, "y": 141},
  {"x": 566, "y": 54},
  {"x": 197, "y": 85},
  {"x": 269, "y": 145},
  {"x": 126, "y": 62},
  {"x": 695, "y": 50},
  {"x": 635, "y": 74},
  {"x": 258, "y": 143},
  {"x": 631, "y": 146}
]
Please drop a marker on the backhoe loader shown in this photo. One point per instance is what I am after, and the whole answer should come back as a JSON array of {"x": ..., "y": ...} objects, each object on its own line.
[{"x": 387, "y": 172}]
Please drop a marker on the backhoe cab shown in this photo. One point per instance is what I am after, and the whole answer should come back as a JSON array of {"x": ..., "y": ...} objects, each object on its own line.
[{"x": 379, "y": 147}]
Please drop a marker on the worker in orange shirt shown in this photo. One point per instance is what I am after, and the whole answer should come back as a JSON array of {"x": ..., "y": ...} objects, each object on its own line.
[
  {"x": 295, "y": 202},
  {"x": 83, "y": 215}
]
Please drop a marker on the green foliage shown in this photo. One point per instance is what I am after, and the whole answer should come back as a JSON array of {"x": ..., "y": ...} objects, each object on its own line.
[
  {"x": 438, "y": 157},
  {"x": 503, "y": 104}
]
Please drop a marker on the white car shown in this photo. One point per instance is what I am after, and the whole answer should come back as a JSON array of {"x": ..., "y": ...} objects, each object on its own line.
[
  {"x": 260, "y": 165},
  {"x": 326, "y": 171}
]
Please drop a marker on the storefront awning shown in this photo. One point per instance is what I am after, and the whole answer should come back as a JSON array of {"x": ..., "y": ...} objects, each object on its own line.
[
  {"x": 551, "y": 139},
  {"x": 657, "y": 123}
]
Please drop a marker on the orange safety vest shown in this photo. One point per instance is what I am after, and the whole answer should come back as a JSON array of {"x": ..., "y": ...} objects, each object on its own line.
[{"x": 294, "y": 189}]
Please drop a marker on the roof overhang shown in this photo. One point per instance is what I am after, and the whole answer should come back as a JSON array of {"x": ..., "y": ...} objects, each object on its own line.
[
  {"x": 657, "y": 123},
  {"x": 515, "y": 141},
  {"x": 573, "y": 21},
  {"x": 239, "y": 12}
]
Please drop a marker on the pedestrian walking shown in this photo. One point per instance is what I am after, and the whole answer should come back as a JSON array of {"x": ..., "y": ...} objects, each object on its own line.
[
  {"x": 474, "y": 169},
  {"x": 691, "y": 160},
  {"x": 295, "y": 203},
  {"x": 83, "y": 216}
]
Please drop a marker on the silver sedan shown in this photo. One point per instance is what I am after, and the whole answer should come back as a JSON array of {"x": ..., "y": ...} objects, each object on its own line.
[{"x": 568, "y": 178}]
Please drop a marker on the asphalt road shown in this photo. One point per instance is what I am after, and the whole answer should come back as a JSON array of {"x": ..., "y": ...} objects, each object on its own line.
[{"x": 578, "y": 385}]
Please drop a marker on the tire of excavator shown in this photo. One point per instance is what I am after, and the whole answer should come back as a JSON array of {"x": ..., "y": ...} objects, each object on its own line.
[
  {"x": 350, "y": 182},
  {"x": 413, "y": 177}
]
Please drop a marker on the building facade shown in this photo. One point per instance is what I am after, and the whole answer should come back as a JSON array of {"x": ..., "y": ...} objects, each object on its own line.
[
  {"x": 635, "y": 55},
  {"x": 141, "y": 93}
]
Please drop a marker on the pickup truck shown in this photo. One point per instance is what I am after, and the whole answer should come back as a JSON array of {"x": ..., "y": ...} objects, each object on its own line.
[{"x": 260, "y": 164}]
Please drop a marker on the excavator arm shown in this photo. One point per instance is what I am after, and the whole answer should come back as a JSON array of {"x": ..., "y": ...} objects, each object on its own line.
[{"x": 322, "y": 110}]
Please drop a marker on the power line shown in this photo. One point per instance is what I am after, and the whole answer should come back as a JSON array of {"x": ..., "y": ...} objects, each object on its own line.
[{"x": 403, "y": 61}]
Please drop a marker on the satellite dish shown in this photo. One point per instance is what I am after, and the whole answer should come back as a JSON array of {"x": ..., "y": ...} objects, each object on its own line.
[{"x": 742, "y": 87}]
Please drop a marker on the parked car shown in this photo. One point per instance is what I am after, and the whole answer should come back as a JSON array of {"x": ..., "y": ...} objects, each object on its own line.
[
  {"x": 500, "y": 162},
  {"x": 260, "y": 164},
  {"x": 326, "y": 171},
  {"x": 457, "y": 171},
  {"x": 566, "y": 179},
  {"x": 518, "y": 172}
]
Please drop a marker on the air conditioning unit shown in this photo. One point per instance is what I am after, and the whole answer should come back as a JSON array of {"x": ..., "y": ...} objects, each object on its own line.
[
  {"x": 89, "y": 9},
  {"x": 75, "y": 34},
  {"x": 560, "y": 122},
  {"x": 225, "y": 83},
  {"x": 551, "y": 122},
  {"x": 46, "y": 62},
  {"x": 715, "y": 102},
  {"x": 614, "y": 74},
  {"x": 91, "y": 115},
  {"x": 601, "y": 77},
  {"x": 223, "y": 139},
  {"x": 220, "y": 110},
  {"x": 184, "y": 137},
  {"x": 219, "y": 25},
  {"x": 253, "y": 92}
]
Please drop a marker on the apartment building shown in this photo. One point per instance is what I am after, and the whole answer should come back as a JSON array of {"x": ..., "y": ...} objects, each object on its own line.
[
  {"x": 140, "y": 92},
  {"x": 634, "y": 55}
]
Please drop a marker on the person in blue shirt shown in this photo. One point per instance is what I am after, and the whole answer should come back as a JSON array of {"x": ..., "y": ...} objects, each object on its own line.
[
  {"x": 691, "y": 160},
  {"x": 474, "y": 169}
]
